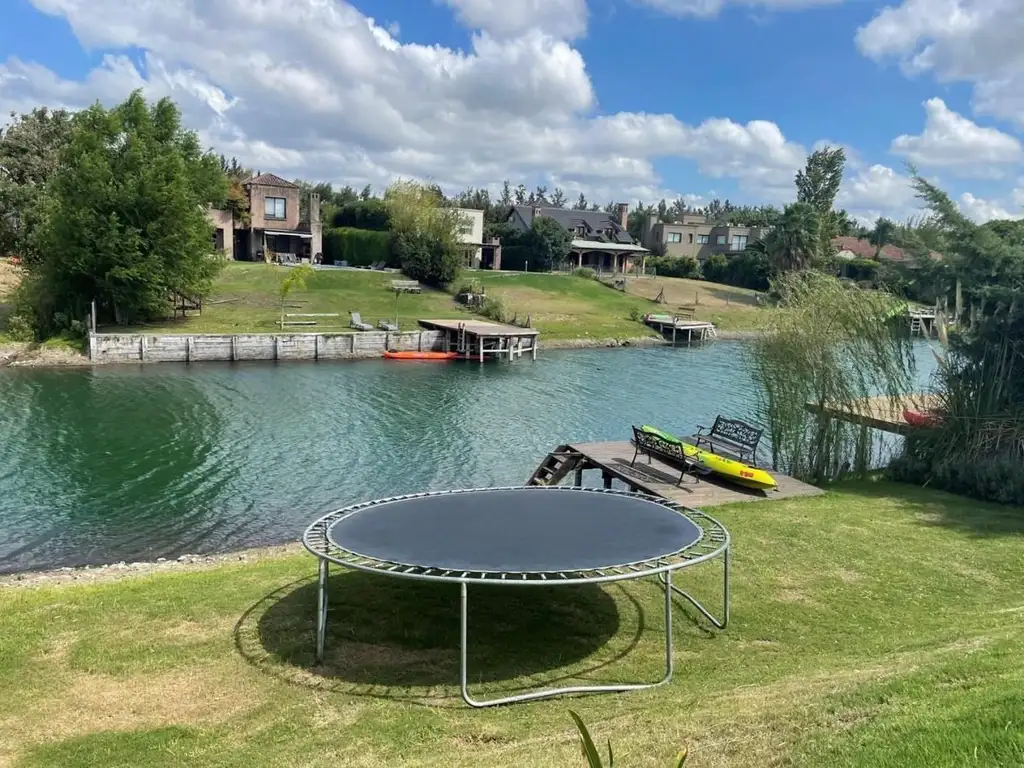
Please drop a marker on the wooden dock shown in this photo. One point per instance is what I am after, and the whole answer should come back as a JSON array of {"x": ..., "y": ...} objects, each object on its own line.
[
  {"x": 653, "y": 477},
  {"x": 680, "y": 327},
  {"x": 879, "y": 412},
  {"x": 485, "y": 339}
]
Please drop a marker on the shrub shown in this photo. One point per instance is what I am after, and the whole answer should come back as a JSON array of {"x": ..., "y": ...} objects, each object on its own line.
[
  {"x": 674, "y": 266},
  {"x": 425, "y": 258},
  {"x": 363, "y": 214},
  {"x": 716, "y": 269},
  {"x": 359, "y": 247},
  {"x": 999, "y": 479},
  {"x": 515, "y": 257},
  {"x": 585, "y": 272},
  {"x": 495, "y": 309}
]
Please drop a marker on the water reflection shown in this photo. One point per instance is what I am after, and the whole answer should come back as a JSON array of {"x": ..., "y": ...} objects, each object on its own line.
[{"x": 130, "y": 463}]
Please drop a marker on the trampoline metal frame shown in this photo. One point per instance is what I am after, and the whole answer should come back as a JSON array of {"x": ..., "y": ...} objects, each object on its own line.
[{"x": 714, "y": 542}]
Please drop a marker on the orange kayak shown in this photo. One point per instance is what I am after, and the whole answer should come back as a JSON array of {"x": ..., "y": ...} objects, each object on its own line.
[
  {"x": 409, "y": 355},
  {"x": 916, "y": 418}
]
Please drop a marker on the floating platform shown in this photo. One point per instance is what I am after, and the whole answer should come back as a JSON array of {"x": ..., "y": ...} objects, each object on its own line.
[
  {"x": 680, "y": 328},
  {"x": 480, "y": 339},
  {"x": 654, "y": 477},
  {"x": 879, "y": 412}
]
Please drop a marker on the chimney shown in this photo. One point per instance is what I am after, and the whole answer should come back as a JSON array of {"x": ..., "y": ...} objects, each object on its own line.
[
  {"x": 316, "y": 228},
  {"x": 534, "y": 213},
  {"x": 623, "y": 209}
]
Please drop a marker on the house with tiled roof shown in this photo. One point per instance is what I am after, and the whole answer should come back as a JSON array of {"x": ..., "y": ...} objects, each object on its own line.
[
  {"x": 600, "y": 240},
  {"x": 275, "y": 228},
  {"x": 851, "y": 248}
]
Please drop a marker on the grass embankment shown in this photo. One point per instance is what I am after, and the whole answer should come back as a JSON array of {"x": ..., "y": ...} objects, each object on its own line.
[
  {"x": 875, "y": 626},
  {"x": 562, "y": 307},
  {"x": 729, "y": 308}
]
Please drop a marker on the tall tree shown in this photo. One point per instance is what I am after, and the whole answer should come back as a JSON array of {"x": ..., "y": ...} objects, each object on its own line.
[
  {"x": 425, "y": 232},
  {"x": 882, "y": 235},
  {"x": 549, "y": 243},
  {"x": 581, "y": 203},
  {"x": 817, "y": 185},
  {"x": 30, "y": 153},
  {"x": 520, "y": 195},
  {"x": 367, "y": 193},
  {"x": 125, "y": 220},
  {"x": 505, "y": 201},
  {"x": 558, "y": 198},
  {"x": 792, "y": 244}
]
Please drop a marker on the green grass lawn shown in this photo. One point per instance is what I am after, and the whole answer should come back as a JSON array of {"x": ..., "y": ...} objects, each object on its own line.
[
  {"x": 875, "y": 626},
  {"x": 245, "y": 299}
]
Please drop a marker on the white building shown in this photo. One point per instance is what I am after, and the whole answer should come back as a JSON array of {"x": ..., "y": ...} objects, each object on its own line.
[{"x": 472, "y": 234}]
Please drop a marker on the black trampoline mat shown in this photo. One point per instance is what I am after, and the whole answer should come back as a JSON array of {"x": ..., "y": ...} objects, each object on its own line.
[{"x": 516, "y": 531}]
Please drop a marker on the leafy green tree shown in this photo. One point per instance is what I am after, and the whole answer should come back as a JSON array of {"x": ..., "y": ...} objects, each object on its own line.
[
  {"x": 792, "y": 245},
  {"x": 30, "y": 153},
  {"x": 882, "y": 235},
  {"x": 124, "y": 218},
  {"x": 558, "y": 199},
  {"x": 581, "y": 203},
  {"x": 817, "y": 186},
  {"x": 426, "y": 232},
  {"x": 296, "y": 280},
  {"x": 549, "y": 244}
]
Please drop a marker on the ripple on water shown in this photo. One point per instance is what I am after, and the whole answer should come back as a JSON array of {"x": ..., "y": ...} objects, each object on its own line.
[{"x": 140, "y": 462}]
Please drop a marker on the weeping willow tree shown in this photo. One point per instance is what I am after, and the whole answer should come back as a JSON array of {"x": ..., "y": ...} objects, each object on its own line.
[
  {"x": 828, "y": 346},
  {"x": 978, "y": 446}
]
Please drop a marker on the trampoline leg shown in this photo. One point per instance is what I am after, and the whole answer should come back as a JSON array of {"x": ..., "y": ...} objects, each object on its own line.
[
  {"x": 321, "y": 610},
  {"x": 549, "y": 693},
  {"x": 719, "y": 624}
]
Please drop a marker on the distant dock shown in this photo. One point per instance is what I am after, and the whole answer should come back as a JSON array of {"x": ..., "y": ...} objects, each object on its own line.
[
  {"x": 681, "y": 327},
  {"x": 879, "y": 412},
  {"x": 614, "y": 460},
  {"x": 483, "y": 339}
]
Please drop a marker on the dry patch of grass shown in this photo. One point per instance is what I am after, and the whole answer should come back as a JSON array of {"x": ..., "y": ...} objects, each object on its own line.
[{"x": 10, "y": 278}]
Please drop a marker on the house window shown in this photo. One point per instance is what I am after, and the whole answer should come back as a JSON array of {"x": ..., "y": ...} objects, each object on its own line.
[
  {"x": 466, "y": 229},
  {"x": 739, "y": 242},
  {"x": 274, "y": 208},
  {"x": 675, "y": 237},
  {"x": 720, "y": 239},
  {"x": 690, "y": 236},
  {"x": 581, "y": 230},
  {"x": 703, "y": 239}
]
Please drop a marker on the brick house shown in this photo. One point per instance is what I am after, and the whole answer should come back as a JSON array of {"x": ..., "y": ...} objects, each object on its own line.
[{"x": 274, "y": 226}]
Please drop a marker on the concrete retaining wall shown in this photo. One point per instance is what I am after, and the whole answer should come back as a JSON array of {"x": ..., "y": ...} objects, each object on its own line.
[{"x": 134, "y": 348}]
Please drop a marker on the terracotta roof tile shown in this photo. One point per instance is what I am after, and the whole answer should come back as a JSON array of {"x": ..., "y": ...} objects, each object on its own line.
[{"x": 270, "y": 180}]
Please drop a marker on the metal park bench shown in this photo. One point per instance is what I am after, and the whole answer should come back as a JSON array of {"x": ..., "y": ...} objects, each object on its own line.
[
  {"x": 668, "y": 453},
  {"x": 738, "y": 438},
  {"x": 406, "y": 286}
]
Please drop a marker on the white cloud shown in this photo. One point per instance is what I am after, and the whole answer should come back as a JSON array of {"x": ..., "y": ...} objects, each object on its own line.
[
  {"x": 976, "y": 41},
  {"x": 510, "y": 18},
  {"x": 709, "y": 8},
  {"x": 985, "y": 210},
  {"x": 313, "y": 88},
  {"x": 950, "y": 140},
  {"x": 877, "y": 191}
]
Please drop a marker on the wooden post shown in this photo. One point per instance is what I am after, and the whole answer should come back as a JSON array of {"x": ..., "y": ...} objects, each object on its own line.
[
  {"x": 234, "y": 348},
  {"x": 142, "y": 348},
  {"x": 190, "y": 349},
  {"x": 480, "y": 340},
  {"x": 316, "y": 347},
  {"x": 578, "y": 478},
  {"x": 673, "y": 331},
  {"x": 607, "y": 478},
  {"x": 534, "y": 347},
  {"x": 277, "y": 347},
  {"x": 352, "y": 344}
]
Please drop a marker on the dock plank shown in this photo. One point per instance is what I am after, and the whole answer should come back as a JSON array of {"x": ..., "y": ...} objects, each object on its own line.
[{"x": 659, "y": 479}]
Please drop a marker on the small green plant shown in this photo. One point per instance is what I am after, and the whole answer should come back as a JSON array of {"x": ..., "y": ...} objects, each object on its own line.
[
  {"x": 585, "y": 272},
  {"x": 594, "y": 759},
  {"x": 495, "y": 309},
  {"x": 635, "y": 314},
  {"x": 295, "y": 280}
]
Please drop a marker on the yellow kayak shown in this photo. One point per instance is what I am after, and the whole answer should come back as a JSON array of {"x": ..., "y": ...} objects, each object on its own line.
[{"x": 730, "y": 469}]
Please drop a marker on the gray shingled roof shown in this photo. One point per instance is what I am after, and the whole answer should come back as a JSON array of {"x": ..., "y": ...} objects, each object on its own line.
[
  {"x": 596, "y": 222},
  {"x": 270, "y": 180}
]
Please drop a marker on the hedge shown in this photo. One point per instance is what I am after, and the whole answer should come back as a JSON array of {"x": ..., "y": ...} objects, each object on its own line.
[{"x": 359, "y": 247}]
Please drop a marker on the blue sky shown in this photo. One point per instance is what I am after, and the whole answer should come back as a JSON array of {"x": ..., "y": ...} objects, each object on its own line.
[{"x": 620, "y": 99}]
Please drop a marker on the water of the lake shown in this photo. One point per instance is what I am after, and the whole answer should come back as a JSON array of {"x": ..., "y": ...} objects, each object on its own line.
[{"x": 131, "y": 463}]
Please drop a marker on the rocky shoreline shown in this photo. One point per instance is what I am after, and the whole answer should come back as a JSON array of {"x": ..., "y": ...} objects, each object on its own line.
[{"x": 93, "y": 574}]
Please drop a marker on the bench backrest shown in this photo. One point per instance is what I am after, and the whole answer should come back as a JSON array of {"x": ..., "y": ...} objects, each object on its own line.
[
  {"x": 402, "y": 284},
  {"x": 737, "y": 431},
  {"x": 648, "y": 442},
  {"x": 356, "y": 318}
]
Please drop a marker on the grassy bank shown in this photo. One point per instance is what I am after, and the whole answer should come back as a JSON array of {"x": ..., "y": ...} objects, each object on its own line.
[
  {"x": 562, "y": 307},
  {"x": 875, "y": 626}
]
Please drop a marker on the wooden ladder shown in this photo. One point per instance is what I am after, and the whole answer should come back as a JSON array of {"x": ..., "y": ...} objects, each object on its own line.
[
  {"x": 915, "y": 326},
  {"x": 555, "y": 466}
]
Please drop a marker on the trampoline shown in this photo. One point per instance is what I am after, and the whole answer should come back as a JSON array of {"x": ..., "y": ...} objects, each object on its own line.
[{"x": 519, "y": 537}]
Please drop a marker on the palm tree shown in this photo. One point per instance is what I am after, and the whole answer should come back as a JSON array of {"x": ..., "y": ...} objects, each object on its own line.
[
  {"x": 882, "y": 235},
  {"x": 793, "y": 243}
]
